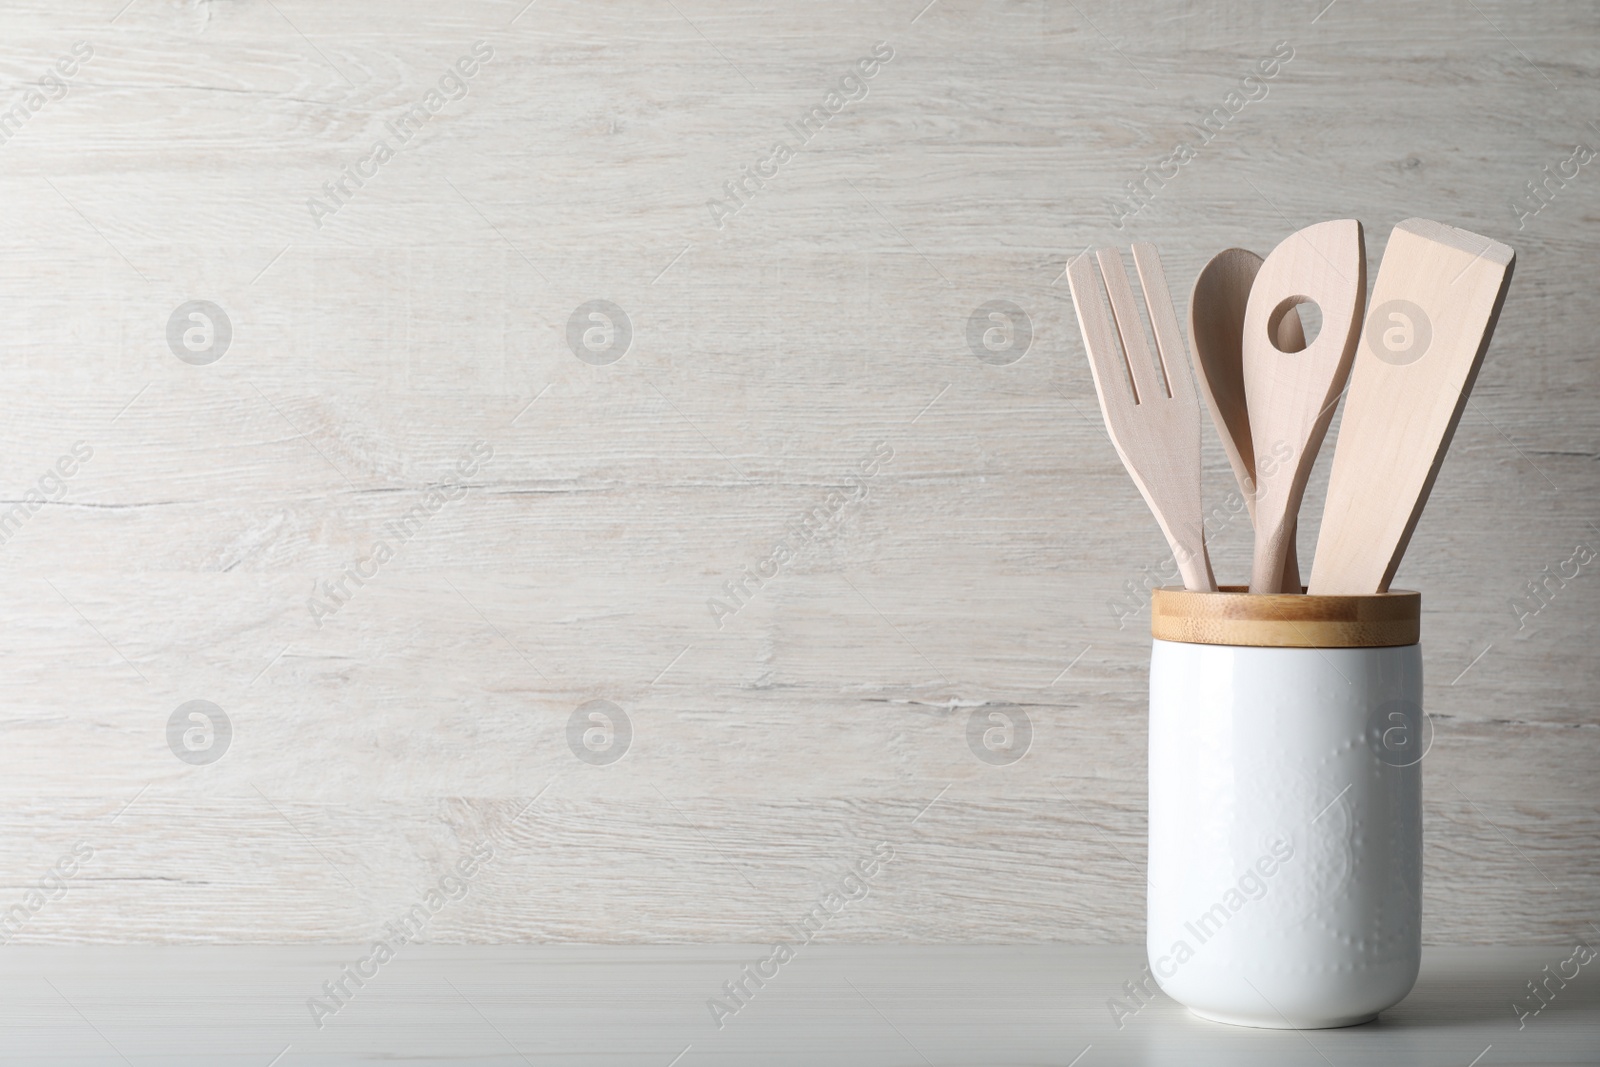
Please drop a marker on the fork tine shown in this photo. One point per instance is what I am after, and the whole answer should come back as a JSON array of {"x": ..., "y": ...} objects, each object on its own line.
[
  {"x": 1099, "y": 335},
  {"x": 1164, "y": 321},
  {"x": 1159, "y": 444},
  {"x": 1141, "y": 362}
]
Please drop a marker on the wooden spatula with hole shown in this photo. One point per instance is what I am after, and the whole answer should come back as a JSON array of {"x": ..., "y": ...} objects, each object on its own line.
[
  {"x": 1434, "y": 308},
  {"x": 1291, "y": 396}
]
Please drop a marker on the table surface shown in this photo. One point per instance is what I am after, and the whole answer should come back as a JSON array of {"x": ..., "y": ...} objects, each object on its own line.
[{"x": 642, "y": 1006}]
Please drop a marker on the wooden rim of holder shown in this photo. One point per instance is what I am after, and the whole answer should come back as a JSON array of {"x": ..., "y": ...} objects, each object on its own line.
[{"x": 1285, "y": 620}]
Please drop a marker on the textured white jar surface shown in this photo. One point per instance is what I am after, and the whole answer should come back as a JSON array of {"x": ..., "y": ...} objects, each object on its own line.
[{"x": 1285, "y": 878}]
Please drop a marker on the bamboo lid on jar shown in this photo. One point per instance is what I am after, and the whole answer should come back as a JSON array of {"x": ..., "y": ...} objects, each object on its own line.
[{"x": 1284, "y": 620}]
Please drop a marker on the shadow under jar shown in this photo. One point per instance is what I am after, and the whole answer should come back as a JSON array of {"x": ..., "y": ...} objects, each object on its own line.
[{"x": 1286, "y": 737}]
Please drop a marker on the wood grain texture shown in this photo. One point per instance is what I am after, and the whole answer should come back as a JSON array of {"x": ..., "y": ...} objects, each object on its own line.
[
  {"x": 1147, "y": 396},
  {"x": 1438, "y": 295},
  {"x": 1291, "y": 396},
  {"x": 1235, "y": 616},
  {"x": 998, "y": 563},
  {"x": 1217, "y": 306}
]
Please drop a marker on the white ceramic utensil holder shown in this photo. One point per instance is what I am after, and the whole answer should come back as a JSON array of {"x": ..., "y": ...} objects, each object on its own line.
[{"x": 1286, "y": 735}]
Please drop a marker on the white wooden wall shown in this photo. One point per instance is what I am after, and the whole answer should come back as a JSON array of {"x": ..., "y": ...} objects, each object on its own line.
[{"x": 768, "y": 360}]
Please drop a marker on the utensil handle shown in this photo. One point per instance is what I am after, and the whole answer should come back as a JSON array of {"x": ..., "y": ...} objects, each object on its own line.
[
  {"x": 1194, "y": 563},
  {"x": 1267, "y": 565},
  {"x": 1291, "y": 560}
]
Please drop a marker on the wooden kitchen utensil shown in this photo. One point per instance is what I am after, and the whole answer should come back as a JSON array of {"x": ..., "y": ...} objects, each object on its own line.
[
  {"x": 1151, "y": 410},
  {"x": 1434, "y": 308},
  {"x": 1216, "y": 333},
  {"x": 1291, "y": 397}
]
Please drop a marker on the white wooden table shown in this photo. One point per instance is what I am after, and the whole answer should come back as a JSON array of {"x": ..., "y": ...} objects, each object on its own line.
[{"x": 647, "y": 1006}]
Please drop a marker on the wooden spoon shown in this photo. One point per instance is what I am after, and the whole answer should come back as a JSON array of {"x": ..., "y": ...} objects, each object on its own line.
[
  {"x": 1434, "y": 308},
  {"x": 1291, "y": 397},
  {"x": 1216, "y": 331}
]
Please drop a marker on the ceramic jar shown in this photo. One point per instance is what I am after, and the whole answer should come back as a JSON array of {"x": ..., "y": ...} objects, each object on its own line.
[{"x": 1286, "y": 735}]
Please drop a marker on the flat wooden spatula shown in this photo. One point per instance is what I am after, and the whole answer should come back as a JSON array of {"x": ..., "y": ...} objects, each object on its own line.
[{"x": 1433, "y": 309}]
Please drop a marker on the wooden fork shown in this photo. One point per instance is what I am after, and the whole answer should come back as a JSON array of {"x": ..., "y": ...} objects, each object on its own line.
[{"x": 1152, "y": 411}]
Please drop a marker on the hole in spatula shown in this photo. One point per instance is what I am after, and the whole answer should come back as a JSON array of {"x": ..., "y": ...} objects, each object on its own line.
[{"x": 1294, "y": 324}]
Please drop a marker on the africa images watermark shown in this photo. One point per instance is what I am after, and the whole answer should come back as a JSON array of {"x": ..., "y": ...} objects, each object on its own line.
[
  {"x": 1252, "y": 87},
  {"x": 51, "y": 486},
  {"x": 199, "y": 332},
  {"x": 1543, "y": 589},
  {"x": 452, "y": 86},
  {"x": 338, "y": 991},
  {"x": 999, "y": 332},
  {"x": 1540, "y": 193},
  {"x": 803, "y": 531},
  {"x": 396, "y": 533},
  {"x": 850, "y": 89},
  {"x": 53, "y": 886},
  {"x": 1136, "y": 595},
  {"x": 853, "y": 886},
  {"x": 999, "y": 736},
  {"x": 53, "y": 86},
  {"x": 199, "y": 732},
  {"x": 1543, "y": 994},
  {"x": 1251, "y": 886},
  {"x": 599, "y": 732}
]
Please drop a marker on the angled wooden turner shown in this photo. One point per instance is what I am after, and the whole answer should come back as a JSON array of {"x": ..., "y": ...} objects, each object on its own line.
[
  {"x": 1434, "y": 309},
  {"x": 1291, "y": 396},
  {"x": 1152, "y": 413}
]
